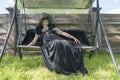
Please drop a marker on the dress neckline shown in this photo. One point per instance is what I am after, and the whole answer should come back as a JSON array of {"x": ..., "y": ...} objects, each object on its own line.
[{"x": 45, "y": 30}]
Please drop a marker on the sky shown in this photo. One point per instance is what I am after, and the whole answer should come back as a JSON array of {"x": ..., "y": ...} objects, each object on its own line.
[{"x": 108, "y": 6}]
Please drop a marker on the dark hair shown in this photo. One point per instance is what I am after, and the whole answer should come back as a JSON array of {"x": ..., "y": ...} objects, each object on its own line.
[{"x": 45, "y": 16}]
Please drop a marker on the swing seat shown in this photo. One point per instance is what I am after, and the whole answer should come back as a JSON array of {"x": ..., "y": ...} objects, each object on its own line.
[
  {"x": 79, "y": 34},
  {"x": 37, "y": 48}
]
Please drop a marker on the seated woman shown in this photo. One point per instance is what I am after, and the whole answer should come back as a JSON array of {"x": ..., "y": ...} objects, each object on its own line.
[{"x": 59, "y": 55}]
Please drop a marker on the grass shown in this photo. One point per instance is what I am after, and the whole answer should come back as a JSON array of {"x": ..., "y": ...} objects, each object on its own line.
[{"x": 100, "y": 67}]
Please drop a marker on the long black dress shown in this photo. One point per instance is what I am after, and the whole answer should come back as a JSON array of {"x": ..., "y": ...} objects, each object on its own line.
[{"x": 61, "y": 55}]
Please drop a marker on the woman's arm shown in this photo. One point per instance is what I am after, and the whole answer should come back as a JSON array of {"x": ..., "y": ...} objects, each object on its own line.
[
  {"x": 60, "y": 32},
  {"x": 33, "y": 42},
  {"x": 71, "y": 37}
]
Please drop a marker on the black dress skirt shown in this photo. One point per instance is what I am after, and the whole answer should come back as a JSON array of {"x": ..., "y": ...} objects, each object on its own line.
[{"x": 61, "y": 55}]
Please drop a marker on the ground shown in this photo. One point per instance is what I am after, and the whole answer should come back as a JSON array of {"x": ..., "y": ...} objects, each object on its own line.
[{"x": 100, "y": 67}]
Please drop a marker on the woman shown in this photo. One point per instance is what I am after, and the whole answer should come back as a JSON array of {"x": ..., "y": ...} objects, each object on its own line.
[{"x": 59, "y": 54}]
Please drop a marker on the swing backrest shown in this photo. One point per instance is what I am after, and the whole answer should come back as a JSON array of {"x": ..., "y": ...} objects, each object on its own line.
[{"x": 79, "y": 34}]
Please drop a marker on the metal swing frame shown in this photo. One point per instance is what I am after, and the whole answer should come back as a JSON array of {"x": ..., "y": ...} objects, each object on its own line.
[{"x": 98, "y": 22}]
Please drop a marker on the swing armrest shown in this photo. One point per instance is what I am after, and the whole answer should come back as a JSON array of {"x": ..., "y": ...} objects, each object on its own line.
[
  {"x": 91, "y": 38},
  {"x": 23, "y": 35}
]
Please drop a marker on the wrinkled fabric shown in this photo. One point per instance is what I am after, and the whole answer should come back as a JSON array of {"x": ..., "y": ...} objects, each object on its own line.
[{"x": 61, "y": 55}]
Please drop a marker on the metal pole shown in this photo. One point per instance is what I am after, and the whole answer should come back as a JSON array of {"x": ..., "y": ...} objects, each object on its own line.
[
  {"x": 96, "y": 27},
  {"x": 89, "y": 14},
  {"x": 17, "y": 32},
  {"x": 24, "y": 15},
  {"x": 21, "y": 26},
  {"x": 106, "y": 38},
  {"x": 109, "y": 47},
  {"x": 9, "y": 30}
]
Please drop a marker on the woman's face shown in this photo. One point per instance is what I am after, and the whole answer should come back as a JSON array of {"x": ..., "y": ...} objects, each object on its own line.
[{"x": 45, "y": 22}]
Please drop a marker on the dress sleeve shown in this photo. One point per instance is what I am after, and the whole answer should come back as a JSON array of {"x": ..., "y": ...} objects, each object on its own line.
[{"x": 38, "y": 31}]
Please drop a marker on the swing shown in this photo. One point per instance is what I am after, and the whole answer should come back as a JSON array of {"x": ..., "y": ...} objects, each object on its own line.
[
  {"x": 53, "y": 4},
  {"x": 79, "y": 34},
  {"x": 74, "y": 6}
]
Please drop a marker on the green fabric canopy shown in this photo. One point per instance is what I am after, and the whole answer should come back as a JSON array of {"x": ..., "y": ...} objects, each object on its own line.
[{"x": 55, "y": 6}]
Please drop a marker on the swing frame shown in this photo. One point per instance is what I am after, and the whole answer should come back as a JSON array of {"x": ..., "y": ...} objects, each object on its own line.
[{"x": 98, "y": 22}]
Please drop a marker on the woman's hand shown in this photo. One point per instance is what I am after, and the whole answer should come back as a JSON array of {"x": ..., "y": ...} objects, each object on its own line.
[
  {"x": 76, "y": 41},
  {"x": 33, "y": 42}
]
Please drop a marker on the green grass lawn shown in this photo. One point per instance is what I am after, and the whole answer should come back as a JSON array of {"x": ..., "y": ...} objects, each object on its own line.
[{"x": 100, "y": 67}]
